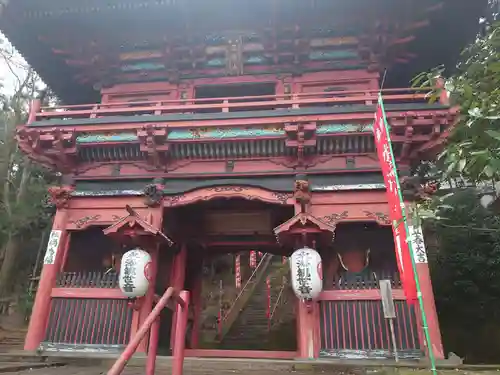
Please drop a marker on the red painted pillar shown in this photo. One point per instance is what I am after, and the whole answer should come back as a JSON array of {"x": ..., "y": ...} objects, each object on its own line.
[
  {"x": 178, "y": 279},
  {"x": 196, "y": 296},
  {"x": 65, "y": 247},
  {"x": 307, "y": 324},
  {"x": 154, "y": 337},
  {"x": 430, "y": 309},
  {"x": 147, "y": 302},
  {"x": 179, "y": 268},
  {"x": 51, "y": 265},
  {"x": 180, "y": 334},
  {"x": 444, "y": 98},
  {"x": 424, "y": 278},
  {"x": 307, "y": 330}
]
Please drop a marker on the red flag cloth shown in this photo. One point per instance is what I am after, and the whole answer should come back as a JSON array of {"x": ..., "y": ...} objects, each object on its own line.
[
  {"x": 268, "y": 289},
  {"x": 237, "y": 271},
  {"x": 253, "y": 259},
  {"x": 388, "y": 166}
]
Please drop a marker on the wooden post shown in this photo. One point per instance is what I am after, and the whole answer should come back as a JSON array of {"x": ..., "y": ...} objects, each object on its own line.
[
  {"x": 307, "y": 330},
  {"x": 180, "y": 334},
  {"x": 424, "y": 278},
  {"x": 147, "y": 302},
  {"x": 307, "y": 323},
  {"x": 197, "y": 307},
  {"x": 51, "y": 265},
  {"x": 154, "y": 336},
  {"x": 178, "y": 279},
  {"x": 444, "y": 98},
  {"x": 35, "y": 107},
  {"x": 430, "y": 309},
  {"x": 131, "y": 347},
  {"x": 389, "y": 310},
  {"x": 66, "y": 252}
]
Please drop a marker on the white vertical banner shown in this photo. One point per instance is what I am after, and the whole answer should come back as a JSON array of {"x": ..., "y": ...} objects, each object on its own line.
[
  {"x": 52, "y": 247},
  {"x": 418, "y": 244}
]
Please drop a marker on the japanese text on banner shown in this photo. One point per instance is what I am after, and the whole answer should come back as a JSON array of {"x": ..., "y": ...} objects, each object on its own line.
[{"x": 387, "y": 163}]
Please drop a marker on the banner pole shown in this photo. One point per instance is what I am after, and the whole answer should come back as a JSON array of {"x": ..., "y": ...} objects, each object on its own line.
[{"x": 410, "y": 245}]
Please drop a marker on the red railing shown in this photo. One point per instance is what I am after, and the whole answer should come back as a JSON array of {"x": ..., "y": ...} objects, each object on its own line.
[
  {"x": 151, "y": 325},
  {"x": 228, "y": 104},
  {"x": 352, "y": 325}
]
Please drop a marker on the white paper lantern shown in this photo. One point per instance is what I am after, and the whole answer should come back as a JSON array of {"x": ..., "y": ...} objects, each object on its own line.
[
  {"x": 135, "y": 273},
  {"x": 307, "y": 277}
]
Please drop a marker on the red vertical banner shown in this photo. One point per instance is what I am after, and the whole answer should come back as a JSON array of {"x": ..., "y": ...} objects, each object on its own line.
[
  {"x": 237, "y": 271},
  {"x": 220, "y": 314},
  {"x": 268, "y": 307},
  {"x": 396, "y": 204},
  {"x": 253, "y": 259}
]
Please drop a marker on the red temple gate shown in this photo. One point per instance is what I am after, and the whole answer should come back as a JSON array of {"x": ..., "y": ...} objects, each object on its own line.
[{"x": 264, "y": 111}]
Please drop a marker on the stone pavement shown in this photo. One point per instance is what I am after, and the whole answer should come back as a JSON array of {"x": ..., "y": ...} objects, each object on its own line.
[{"x": 199, "y": 366}]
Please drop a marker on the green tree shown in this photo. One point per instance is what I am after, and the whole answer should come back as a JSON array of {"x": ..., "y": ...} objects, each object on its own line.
[
  {"x": 465, "y": 266},
  {"x": 465, "y": 258},
  {"x": 23, "y": 185},
  {"x": 473, "y": 147}
]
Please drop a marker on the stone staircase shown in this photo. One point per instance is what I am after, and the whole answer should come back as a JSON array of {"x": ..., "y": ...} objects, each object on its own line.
[
  {"x": 211, "y": 304},
  {"x": 250, "y": 331}
]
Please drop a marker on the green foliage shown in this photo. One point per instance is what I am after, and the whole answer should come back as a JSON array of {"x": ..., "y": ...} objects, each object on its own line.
[
  {"x": 23, "y": 186},
  {"x": 466, "y": 276},
  {"x": 473, "y": 148}
]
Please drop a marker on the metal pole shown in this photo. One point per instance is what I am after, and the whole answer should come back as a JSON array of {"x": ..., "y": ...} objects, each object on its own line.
[
  {"x": 410, "y": 247},
  {"x": 393, "y": 337}
]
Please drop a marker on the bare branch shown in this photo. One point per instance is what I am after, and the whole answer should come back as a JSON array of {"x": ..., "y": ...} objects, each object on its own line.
[{"x": 8, "y": 59}]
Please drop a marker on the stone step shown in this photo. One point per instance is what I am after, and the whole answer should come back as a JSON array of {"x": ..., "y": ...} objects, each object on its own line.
[{"x": 252, "y": 325}]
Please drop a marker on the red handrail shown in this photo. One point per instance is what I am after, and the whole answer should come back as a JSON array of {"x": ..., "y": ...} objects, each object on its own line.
[
  {"x": 182, "y": 302},
  {"x": 221, "y": 99},
  {"x": 193, "y": 105}
]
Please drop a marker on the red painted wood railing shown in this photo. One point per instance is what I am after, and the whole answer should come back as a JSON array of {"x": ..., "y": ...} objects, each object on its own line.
[
  {"x": 151, "y": 325},
  {"x": 352, "y": 325},
  {"x": 246, "y": 103}
]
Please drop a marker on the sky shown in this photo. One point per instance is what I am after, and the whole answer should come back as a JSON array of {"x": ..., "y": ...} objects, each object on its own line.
[{"x": 7, "y": 77}]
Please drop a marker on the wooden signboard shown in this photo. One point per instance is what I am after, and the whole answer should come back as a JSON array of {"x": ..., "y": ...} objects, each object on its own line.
[
  {"x": 387, "y": 300},
  {"x": 389, "y": 311}
]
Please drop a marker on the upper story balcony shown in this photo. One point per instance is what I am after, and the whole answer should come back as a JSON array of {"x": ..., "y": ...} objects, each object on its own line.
[
  {"x": 244, "y": 110},
  {"x": 328, "y": 122}
]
